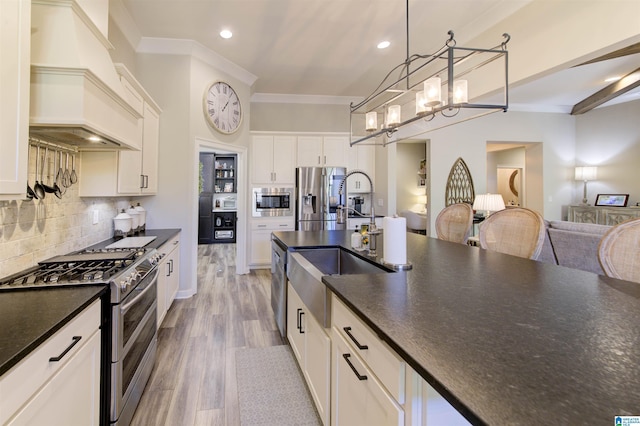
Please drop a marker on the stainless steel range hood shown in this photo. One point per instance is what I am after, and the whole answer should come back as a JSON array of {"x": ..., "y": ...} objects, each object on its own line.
[{"x": 77, "y": 97}]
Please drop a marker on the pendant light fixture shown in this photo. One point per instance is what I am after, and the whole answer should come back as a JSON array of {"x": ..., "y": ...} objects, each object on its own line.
[{"x": 430, "y": 86}]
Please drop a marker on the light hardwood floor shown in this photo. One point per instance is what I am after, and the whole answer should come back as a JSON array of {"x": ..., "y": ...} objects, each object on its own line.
[{"x": 194, "y": 380}]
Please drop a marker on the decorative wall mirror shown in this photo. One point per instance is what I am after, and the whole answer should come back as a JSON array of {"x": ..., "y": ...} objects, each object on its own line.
[{"x": 459, "y": 184}]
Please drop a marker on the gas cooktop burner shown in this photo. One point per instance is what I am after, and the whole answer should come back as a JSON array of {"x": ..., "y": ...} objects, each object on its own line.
[{"x": 94, "y": 266}]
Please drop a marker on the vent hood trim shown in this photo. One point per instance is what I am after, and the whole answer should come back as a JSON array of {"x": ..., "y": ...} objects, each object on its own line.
[{"x": 75, "y": 89}]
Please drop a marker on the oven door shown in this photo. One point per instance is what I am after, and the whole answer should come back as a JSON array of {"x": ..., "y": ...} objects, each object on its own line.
[{"x": 134, "y": 342}]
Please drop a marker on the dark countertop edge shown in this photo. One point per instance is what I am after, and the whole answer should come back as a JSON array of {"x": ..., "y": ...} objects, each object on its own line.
[
  {"x": 19, "y": 356},
  {"x": 433, "y": 382}
]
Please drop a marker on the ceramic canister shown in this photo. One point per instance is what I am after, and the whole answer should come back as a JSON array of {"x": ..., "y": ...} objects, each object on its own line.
[
  {"x": 121, "y": 224},
  {"x": 142, "y": 221},
  {"x": 135, "y": 219}
]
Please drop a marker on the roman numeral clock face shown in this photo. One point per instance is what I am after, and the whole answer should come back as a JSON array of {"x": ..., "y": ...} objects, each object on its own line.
[{"x": 222, "y": 107}]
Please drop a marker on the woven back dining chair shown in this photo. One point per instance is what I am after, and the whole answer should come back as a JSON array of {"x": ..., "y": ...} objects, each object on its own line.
[
  {"x": 619, "y": 251},
  {"x": 517, "y": 231},
  {"x": 454, "y": 223}
]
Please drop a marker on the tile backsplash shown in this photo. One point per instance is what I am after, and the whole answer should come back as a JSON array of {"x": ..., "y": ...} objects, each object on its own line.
[{"x": 32, "y": 231}]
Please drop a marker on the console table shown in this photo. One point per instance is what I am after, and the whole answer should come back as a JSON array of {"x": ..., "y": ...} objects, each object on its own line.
[{"x": 602, "y": 215}]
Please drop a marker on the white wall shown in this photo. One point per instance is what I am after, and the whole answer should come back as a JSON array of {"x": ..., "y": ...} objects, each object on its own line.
[{"x": 610, "y": 139}]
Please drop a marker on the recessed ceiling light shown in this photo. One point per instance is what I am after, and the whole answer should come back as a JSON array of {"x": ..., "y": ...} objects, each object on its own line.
[
  {"x": 612, "y": 79},
  {"x": 383, "y": 44},
  {"x": 226, "y": 34}
]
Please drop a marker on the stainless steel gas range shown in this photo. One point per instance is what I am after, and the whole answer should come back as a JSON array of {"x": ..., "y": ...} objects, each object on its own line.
[{"x": 132, "y": 275}]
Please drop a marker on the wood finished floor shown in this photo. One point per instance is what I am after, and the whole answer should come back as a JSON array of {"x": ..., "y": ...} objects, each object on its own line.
[{"x": 194, "y": 381}]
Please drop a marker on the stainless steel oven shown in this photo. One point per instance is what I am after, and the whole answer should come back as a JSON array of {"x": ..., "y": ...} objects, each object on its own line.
[
  {"x": 267, "y": 202},
  {"x": 133, "y": 347}
]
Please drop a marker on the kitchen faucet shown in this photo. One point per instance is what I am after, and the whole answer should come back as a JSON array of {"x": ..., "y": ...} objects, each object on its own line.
[{"x": 342, "y": 211}]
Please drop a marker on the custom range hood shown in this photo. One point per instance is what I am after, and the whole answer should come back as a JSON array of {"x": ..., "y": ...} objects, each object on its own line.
[{"x": 77, "y": 97}]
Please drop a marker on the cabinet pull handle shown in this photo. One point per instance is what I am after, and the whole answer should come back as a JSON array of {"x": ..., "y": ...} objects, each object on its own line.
[
  {"x": 170, "y": 266},
  {"x": 300, "y": 314},
  {"x": 168, "y": 270},
  {"x": 262, "y": 226},
  {"x": 358, "y": 375},
  {"x": 141, "y": 181},
  {"x": 348, "y": 331},
  {"x": 146, "y": 181},
  {"x": 283, "y": 224},
  {"x": 74, "y": 342}
]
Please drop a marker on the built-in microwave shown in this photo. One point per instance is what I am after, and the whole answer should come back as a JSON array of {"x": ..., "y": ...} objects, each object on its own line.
[
  {"x": 229, "y": 203},
  {"x": 268, "y": 202}
]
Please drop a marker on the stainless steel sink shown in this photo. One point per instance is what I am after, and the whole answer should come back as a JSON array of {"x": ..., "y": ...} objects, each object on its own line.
[{"x": 305, "y": 269}]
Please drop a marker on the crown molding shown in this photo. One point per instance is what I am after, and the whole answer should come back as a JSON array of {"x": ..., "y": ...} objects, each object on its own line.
[{"x": 172, "y": 46}]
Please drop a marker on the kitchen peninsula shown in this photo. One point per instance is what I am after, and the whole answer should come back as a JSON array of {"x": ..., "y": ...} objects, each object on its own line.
[{"x": 504, "y": 340}]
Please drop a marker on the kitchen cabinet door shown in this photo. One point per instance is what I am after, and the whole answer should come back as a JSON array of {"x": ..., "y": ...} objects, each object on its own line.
[
  {"x": 273, "y": 159},
  {"x": 334, "y": 151},
  {"x": 284, "y": 160},
  {"x": 361, "y": 157},
  {"x": 168, "y": 276},
  {"x": 322, "y": 151},
  {"x": 15, "y": 37},
  {"x": 358, "y": 397},
  {"x": 260, "y": 240},
  {"x": 310, "y": 153},
  {"x": 38, "y": 391}
]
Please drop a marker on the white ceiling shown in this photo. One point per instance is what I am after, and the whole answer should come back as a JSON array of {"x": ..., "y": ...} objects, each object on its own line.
[{"x": 328, "y": 47}]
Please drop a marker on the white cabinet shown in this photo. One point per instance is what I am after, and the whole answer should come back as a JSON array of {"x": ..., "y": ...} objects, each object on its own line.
[
  {"x": 14, "y": 85},
  {"x": 312, "y": 348},
  {"x": 359, "y": 397},
  {"x": 273, "y": 159},
  {"x": 361, "y": 157},
  {"x": 368, "y": 378},
  {"x": 260, "y": 240},
  {"x": 126, "y": 172},
  {"x": 40, "y": 391},
  {"x": 168, "y": 276},
  {"x": 321, "y": 151}
]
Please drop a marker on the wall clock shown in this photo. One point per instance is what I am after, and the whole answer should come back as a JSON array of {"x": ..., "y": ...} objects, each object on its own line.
[{"x": 222, "y": 107}]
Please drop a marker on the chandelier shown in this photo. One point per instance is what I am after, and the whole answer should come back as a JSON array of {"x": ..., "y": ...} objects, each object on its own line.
[{"x": 438, "y": 89}]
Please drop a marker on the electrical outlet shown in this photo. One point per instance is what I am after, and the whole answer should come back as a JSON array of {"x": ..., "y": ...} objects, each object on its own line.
[
  {"x": 96, "y": 217},
  {"x": 380, "y": 202}
]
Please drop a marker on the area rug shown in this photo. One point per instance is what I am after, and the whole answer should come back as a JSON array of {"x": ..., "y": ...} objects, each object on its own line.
[{"x": 271, "y": 388}]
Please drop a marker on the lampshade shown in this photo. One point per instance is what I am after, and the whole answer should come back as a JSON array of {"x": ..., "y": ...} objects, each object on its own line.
[
  {"x": 460, "y": 93},
  {"x": 586, "y": 173},
  {"x": 393, "y": 115},
  {"x": 488, "y": 202},
  {"x": 422, "y": 199},
  {"x": 371, "y": 121},
  {"x": 421, "y": 104},
  {"x": 433, "y": 91}
]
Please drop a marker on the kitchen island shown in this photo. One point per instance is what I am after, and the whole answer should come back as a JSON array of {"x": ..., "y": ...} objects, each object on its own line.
[{"x": 504, "y": 340}]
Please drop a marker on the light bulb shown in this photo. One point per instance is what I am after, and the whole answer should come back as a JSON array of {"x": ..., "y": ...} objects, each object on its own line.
[
  {"x": 432, "y": 91},
  {"x": 371, "y": 120},
  {"x": 460, "y": 94},
  {"x": 393, "y": 115}
]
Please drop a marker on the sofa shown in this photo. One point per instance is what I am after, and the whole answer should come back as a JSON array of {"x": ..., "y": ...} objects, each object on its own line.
[{"x": 573, "y": 244}]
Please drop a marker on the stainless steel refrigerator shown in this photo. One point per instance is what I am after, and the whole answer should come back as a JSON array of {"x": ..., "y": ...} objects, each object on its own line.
[{"x": 317, "y": 197}]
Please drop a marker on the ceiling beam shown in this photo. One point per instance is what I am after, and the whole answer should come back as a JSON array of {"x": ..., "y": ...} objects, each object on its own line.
[
  {"x": 626, "y": 83},
  {"x": 629, "y": 50}
]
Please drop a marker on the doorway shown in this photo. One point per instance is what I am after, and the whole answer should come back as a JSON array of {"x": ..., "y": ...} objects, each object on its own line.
[{"x": 241, "y": 173}]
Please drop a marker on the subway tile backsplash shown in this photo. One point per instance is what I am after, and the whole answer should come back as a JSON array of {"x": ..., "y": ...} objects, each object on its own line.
[{"x": 32, "y": 231}]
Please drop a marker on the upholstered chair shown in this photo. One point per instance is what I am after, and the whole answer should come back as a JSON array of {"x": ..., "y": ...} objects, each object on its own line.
[
  {"x": 619, "y": 251},
  {"x": 516, "y": 231},
  {"x": 454, "y": 223}
]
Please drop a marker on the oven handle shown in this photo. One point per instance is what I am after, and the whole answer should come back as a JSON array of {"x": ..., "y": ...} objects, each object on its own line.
[{"x": 128, "y": 305}]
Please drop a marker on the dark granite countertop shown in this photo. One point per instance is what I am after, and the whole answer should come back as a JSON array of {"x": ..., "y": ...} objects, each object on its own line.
[
  {"x": 30, "y": 317},
  {"x": 505, "y": 340}
]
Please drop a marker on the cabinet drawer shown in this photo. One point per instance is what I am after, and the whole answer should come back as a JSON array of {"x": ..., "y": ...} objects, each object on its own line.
[
  {"x": 273, "y": 225},
  {"x": 388, "y": 367},
  {"x": 24, "y": 379}
]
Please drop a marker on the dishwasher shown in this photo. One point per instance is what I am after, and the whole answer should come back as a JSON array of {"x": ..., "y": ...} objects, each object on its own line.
[{"x": 279, "y": 285}]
